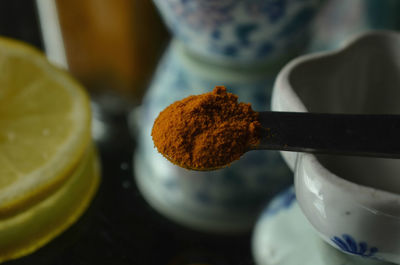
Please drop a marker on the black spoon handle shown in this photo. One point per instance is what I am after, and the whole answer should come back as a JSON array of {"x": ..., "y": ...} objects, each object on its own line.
[{"x": 345, "y": 134}]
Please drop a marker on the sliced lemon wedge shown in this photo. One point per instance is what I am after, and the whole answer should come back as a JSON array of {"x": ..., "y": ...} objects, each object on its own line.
[
  {"x": 49, "y": 170},
  {"x": 44, "y": 126},
  {"x": 29, "y": 230}
]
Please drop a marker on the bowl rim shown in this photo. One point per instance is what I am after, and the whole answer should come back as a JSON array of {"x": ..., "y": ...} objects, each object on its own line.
[
  {"x": 363, "y": 193},
  {"x": 283, "y": 79}
]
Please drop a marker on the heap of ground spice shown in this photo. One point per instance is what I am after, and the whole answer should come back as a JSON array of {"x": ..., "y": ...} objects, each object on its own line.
[{"x": 206, "y": 131}]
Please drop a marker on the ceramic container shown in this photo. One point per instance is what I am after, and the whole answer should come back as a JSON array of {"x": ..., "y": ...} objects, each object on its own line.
[
  {"x": 283, "y": 236},
  {"x": 383, "y": 14},
  {"x": 230, "y": 31},
  {"x": 353, "y": 203},
  {"x": 222, "y": 201}
]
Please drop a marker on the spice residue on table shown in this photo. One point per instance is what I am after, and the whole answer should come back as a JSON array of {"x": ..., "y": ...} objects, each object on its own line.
[{"x": 206, "y": 131}]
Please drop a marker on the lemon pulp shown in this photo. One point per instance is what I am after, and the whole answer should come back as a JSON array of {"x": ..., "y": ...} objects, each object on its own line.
[{"x": 44, "y": 126}]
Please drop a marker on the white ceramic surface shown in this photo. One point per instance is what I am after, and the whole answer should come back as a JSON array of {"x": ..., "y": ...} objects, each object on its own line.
[
  {"x": 353, "y": 203},
  {"x": 283, "y": 236}
]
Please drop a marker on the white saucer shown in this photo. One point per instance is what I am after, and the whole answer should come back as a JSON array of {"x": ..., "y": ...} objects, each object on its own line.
[{"x": 283, "y": 236}]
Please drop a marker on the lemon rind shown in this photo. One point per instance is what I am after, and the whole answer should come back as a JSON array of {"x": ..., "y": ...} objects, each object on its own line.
[{"x": 42, "y": 221}]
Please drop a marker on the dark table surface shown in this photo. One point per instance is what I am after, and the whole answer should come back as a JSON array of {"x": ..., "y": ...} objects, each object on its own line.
[{"x": 120, "y": 227}]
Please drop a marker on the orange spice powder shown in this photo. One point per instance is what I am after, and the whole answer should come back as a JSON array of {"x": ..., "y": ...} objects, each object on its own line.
[{"x": 206, "y": 131}]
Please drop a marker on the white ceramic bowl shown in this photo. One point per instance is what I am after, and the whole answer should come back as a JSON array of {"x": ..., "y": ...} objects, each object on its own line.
[
  {"x": 353, "y": 202},
  {"x": 283, "y": 236}
]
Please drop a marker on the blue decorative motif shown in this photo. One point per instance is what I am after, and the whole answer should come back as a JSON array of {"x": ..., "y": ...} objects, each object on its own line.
[
  {"x": 240, "y": 30},
  {"x": 243, "y": 32},
  {"x": 203, "y": 14},
  {"x": 265, "y": 48},
  {"x": 273, "y": 9},
  {"x": 282, "y": 201},
  {"x": 347, "y": 244}
]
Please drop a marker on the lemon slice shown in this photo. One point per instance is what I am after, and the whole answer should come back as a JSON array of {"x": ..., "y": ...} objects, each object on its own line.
[
  {"x": 44, "y": 126},
  {"x": 27, "y": 231}
]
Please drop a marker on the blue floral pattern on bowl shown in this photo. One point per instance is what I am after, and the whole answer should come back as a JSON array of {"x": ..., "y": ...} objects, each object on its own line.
[
  {"x": 348, "y": 244},
  {"x": 230, "y": 197},
  {"x": 240, "y": 31},
  {"x": 283, "y": 236},
  {"x": 283, "y": 201}
]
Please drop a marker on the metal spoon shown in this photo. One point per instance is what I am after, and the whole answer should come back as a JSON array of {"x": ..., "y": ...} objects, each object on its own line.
[
  {"x": 372, "y": 135},
  {"x": 339, "y": 134}
]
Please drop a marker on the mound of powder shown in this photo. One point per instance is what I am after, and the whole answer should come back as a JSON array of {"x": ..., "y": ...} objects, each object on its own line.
[{"x": 206, "y": 131}]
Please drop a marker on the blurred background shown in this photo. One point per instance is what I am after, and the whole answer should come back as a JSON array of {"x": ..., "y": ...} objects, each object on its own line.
[{"x": 137, "y": 56}]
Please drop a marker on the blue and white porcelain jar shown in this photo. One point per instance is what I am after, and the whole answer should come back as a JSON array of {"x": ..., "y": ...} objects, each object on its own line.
[
  {"x": 240, "y": 31},
  {"x": 223, "y": 201},
  {"x": 241, "y": 45}
]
